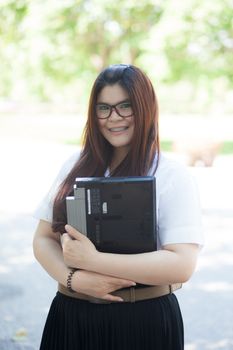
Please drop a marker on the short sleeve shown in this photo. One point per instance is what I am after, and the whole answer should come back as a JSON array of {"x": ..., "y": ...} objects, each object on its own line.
[
  {"x": 44, "y": 211},
  {"x": 179, "y": 213}
]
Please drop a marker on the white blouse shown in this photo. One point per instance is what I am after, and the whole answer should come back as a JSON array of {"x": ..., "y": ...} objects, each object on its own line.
[{"x": 177, "y": 202}]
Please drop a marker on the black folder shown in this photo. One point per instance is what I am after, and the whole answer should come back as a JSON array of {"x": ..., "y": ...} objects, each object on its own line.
[{"x": 118, "y": 214}]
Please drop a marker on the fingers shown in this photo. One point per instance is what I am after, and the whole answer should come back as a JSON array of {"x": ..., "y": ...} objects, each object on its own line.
[
  {"x": 121, "y": 283},
  {"x": 110, "y": 297},
  {"x": 74, "y": 233},
  {"x": 65, "y": 238}
]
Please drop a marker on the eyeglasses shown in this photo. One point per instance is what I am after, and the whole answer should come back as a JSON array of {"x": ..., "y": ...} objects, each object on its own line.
[{"x": 123, "y": 109}]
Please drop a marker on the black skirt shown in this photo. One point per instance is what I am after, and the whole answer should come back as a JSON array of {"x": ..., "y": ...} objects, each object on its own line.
[{"x": 74, "y": 324}]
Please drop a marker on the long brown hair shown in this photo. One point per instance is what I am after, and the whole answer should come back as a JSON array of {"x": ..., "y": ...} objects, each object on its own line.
[{"x": 97, "y": 151}]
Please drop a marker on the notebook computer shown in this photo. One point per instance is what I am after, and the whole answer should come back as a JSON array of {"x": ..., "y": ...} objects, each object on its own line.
[{"x": 118, "y": 214}]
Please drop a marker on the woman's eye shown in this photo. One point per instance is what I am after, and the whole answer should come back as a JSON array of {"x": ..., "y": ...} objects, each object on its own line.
[
  {"x": 125, "y": 105},
  {"x": 103, "y": 107}
]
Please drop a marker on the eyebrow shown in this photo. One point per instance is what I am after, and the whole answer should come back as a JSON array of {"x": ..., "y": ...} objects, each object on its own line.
[{"x": 105, "y": 103}]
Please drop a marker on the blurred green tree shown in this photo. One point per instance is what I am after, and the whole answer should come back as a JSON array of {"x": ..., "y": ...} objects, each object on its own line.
[
  {"x": 202, "y": 47},
  {"x": 12, "y": 14},
  {"x": 86, "y": 35},
  {"x": 47, "y": 48}
]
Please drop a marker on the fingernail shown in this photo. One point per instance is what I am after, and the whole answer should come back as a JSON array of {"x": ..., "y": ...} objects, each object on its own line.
[{"x": 133, "y": 284}]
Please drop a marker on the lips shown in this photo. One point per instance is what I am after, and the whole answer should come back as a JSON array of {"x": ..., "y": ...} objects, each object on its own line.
[{"x": 118, "y": 129}]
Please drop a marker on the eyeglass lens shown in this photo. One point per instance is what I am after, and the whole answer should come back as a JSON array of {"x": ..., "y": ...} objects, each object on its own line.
[{"x": 123, "y": 109}]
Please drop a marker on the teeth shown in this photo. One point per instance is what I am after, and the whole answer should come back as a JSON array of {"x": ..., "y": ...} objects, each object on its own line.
[{"x": 118, "y": 129}]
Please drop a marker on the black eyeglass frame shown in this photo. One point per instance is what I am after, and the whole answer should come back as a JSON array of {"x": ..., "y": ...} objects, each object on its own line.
[{"x": 111, "y": 109}]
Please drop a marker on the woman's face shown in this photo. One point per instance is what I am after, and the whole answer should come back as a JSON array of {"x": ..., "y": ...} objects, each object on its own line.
[{"x": 117, "y": 130}]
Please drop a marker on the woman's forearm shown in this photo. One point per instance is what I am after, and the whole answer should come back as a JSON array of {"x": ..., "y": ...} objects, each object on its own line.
[
  {"x": 173, "y": 265},
  {"x": 48, "y": 252}
]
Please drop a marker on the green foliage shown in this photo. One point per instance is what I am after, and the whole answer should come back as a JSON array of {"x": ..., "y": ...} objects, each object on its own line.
[
  {"x": 202, "y": 48},
  {"x": 12, "y": 14},
  {"x": 53, "y": 49},
  {"x": 90, "y": 34},
  {"x": 49, "y": 46}
]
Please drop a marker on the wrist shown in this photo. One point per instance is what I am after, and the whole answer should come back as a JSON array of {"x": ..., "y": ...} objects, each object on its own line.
[
  {"x": 92, "y": 262},
  {"x": 69, "y": 280}
]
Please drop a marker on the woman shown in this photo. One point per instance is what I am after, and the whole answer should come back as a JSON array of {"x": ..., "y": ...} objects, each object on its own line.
[{"x": 90, "y": 309}]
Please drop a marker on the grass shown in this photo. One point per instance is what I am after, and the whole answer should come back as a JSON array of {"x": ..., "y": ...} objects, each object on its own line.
[
  {"x": 226, "y": 149},
  {"x": 166, "y": 145}
]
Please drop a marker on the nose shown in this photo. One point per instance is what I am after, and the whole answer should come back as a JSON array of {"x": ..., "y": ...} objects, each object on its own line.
[{"x": 114, "y": 114}]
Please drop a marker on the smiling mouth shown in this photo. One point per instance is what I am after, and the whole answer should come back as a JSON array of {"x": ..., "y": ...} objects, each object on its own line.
[{"x": 123, "y": 128}]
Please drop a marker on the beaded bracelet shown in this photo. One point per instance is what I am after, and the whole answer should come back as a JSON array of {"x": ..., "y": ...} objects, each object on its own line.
[{"x": 69, "y": 280}]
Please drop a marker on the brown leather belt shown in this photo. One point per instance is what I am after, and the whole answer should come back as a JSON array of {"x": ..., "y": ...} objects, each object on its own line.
[{"x": 131, "y": 294}]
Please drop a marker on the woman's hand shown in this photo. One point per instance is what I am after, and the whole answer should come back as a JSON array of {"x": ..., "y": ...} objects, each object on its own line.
[
  {"x": 98, "y": 285},
  {"x": 78, "y": 250}
]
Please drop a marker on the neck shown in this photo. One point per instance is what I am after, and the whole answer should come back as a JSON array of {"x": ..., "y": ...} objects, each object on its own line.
[{"x": 118, "y": 156}]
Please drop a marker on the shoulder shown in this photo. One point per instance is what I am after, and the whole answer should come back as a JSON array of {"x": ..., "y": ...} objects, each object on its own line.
[
  {"x": 174, "y": 178},
  {"x": 68, "y": 165},
  {"x": 169, "y": 164},
  {"x": 44, "y": 210},
  {"x": 177, "y": 196},
  {"x": 170, "y": 171}
]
